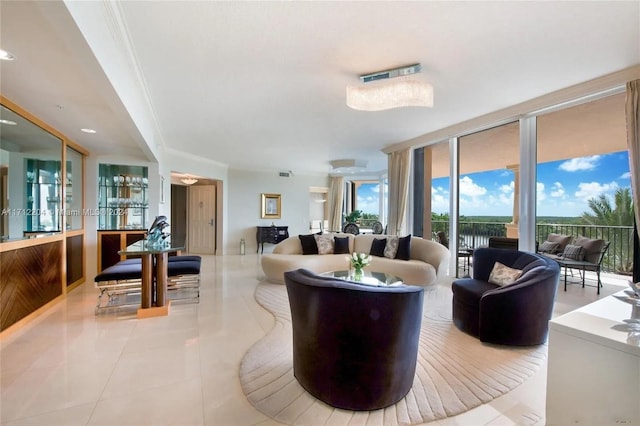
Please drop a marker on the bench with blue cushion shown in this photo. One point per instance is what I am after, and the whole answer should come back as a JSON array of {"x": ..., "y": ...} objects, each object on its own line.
[{"x": 122, "y": 281}]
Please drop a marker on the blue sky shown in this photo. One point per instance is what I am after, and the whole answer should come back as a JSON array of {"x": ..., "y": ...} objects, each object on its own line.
[
  {"x": 563, "y": 188},
  {"x": 368, "y": 198}
]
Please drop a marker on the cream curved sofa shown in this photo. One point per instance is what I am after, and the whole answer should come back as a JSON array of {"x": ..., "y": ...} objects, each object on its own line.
[{"x": 428, "y": 261}]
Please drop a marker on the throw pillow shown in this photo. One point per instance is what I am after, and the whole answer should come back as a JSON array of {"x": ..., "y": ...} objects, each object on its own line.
[
  {"x": 591, "y": 247},
  {"x": 561, "y": 239},
  {"x": 503, "y": 275},
  {"x": 377, "y": 247},
  {"x": 325, "y": 244},
  {"x": 391, "y": 247},
  {"x": 404, "y": 248},
  {"x": 309, "y": 245},
  {"x": 549, "y": 247},
  {"x": 573, "y": 252},
  {"x": 341, "y": 245}
]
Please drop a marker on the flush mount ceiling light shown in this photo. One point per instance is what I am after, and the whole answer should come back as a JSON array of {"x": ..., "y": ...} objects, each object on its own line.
[
  {"x": 377, "y": 92},
  {"x": 189, "y": 180},
  {"x": 348, "y": 166}
]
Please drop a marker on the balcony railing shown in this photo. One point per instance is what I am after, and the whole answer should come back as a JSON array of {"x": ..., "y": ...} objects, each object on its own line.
[{"x": 618, "y": 259}]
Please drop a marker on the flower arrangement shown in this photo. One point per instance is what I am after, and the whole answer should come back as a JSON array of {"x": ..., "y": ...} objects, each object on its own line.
[{"x": 358, "y": 262}]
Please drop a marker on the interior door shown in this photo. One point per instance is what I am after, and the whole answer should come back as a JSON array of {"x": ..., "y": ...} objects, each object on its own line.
[{"x": 202, "y": 219}]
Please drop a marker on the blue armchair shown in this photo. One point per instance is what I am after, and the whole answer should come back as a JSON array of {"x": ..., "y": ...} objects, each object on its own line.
[
  {"x": 355, "y": 346},
  {"x": 514, "y": 314}
]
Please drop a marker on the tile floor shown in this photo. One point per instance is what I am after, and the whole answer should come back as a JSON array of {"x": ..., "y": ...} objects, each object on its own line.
[{"x": 71, "y": 367}]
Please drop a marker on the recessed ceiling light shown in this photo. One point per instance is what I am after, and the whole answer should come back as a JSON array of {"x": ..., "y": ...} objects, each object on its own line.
[
  {"x": 6, "y": 56},
  {"x": 88, "y": 130},
  {"x": 9, "y": 122}
]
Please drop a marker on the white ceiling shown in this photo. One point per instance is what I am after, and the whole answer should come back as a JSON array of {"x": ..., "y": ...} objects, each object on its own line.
[{"x": 261, "y": 85}]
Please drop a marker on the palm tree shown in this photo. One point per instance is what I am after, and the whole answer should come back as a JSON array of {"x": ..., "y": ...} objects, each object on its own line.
[{"x": 621, "y": 214}]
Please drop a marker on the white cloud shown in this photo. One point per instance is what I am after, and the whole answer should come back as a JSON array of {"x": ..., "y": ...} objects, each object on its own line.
[
  {"x": 557, "y": 190},
  {"x": 540, "y": 194},
  {"x": 583, "y": 163},
  {"x": 368, "y": 204},
  {"x": 626, "y": 176},
  {"x": 507, "y": 189},
  {"x": 587, "y": 190},
  {"x": 506, "y": 199},
  {"x": 375, "y": 189},
  {"x": 467, "y": 187},
  {"x": 439, "y": 200}
]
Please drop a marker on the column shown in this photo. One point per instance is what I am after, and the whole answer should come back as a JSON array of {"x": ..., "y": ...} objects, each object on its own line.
[{"x": 512, "y": 228}]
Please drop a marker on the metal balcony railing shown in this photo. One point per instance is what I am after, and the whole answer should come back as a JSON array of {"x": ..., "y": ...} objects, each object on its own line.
[{"x": 618, "y": 259}]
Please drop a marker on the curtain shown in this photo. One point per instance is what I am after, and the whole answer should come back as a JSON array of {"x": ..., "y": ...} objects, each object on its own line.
[
  {"x": 399, "y": 166},
  {"x": 632, "y": 110},
  {"x": 336, "y": 189}
]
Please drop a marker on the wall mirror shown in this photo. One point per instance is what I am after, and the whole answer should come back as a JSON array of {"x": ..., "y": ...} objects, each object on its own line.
[{"x": 31, "y": 178}]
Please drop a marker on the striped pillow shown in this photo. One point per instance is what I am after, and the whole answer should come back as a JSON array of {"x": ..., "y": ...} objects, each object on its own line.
[
  {"x": 573, "y": 252},
  {"x": 549, "y": 247}
]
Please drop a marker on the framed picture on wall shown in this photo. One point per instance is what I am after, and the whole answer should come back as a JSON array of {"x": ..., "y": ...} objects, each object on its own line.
[{"x": 271, "y": 206}]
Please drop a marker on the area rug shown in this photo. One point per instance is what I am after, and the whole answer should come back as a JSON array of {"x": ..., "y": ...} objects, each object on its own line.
[{"x": 455, "y": 372}]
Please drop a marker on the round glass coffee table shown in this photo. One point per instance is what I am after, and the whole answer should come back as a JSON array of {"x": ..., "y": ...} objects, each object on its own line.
[{"x": 368, "y": 277}]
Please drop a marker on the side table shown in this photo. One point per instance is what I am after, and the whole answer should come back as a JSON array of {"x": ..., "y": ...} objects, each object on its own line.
[{"x": 153, "y": 300}]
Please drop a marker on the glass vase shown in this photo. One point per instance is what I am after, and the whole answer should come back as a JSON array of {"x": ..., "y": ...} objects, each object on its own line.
[{"x": 357, "y": 273}]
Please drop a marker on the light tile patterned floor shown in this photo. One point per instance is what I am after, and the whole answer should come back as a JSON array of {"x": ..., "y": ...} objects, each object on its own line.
[{"x": 71, "y": 367}]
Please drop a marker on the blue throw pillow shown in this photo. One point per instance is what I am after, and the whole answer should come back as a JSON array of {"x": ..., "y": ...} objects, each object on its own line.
[
  {"x": 341, "y": 245},
  {"x": 404, "y": 248},
  {"x": 309, "y": 245},
  {"x": 377, "y": 247}
]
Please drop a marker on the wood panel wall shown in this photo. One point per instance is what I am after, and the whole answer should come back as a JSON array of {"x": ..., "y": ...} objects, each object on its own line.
[{"x": 30, "y": 277}]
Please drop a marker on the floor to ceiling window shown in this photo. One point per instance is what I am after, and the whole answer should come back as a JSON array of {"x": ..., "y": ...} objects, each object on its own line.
[
  {"x": 488, "y": 187},
  {"x": 431, "y": 190},
  {"x": 365, "y": 202},
  {"x": 367, "y": 194},
  {"x": 583, "y": 178},
  {"x": 574, "y": 169}
]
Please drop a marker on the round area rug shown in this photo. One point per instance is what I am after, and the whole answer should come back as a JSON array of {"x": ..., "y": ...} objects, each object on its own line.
[{"x": 455, "y": 372}]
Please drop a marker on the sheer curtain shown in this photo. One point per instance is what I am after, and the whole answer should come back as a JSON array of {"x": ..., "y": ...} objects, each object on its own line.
[
  {"x": 399, "y": 166},
  {"x": 336, "y": 189},
  {"x": 633, "y": 144}
]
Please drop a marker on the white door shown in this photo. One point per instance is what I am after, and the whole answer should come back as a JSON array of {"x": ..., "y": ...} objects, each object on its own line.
[{"x": 202, "y": 219}]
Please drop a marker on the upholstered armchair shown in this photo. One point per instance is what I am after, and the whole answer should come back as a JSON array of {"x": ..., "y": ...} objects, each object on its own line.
[
  {"x": 355, "y": 346},
  {"x": 510, "y": 314}
]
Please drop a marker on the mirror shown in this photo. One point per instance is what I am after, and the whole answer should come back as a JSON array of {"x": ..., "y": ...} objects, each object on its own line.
[
  {"x": 73, "y": 190},
  {"x": 31, "y": 186}
]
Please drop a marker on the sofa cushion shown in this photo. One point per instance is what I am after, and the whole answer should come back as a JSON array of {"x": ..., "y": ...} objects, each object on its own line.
[
  {"x": 341, "y": 245},
  {"x": 561, "y": 239},
  {"x": 549, "y": 247},
  {"x": 573, "y": 252},
  {"x": 309, "y": 245},
  {"x": 324, "y": 243},
  {"x": 503, "y": 275},
  {"x": 404, "y": 248},
  {"x": 469, "y": 290},
  {"x": 591, "y": 247},
  {"x": 377, "y": 247},
  {"x": 391, "y": 248}
]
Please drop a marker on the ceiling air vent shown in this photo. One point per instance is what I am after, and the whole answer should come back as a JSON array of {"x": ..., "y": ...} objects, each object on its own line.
[{"x": 287, "y": 173}]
